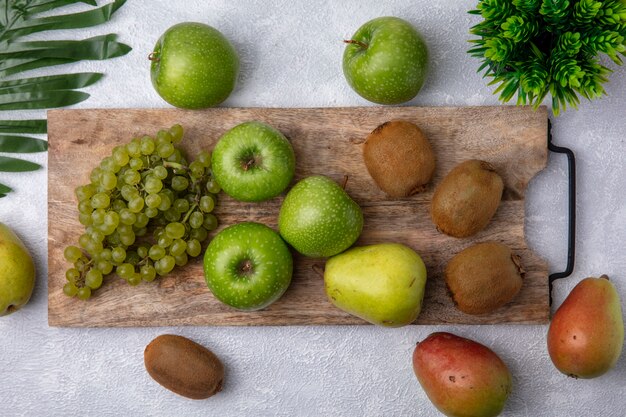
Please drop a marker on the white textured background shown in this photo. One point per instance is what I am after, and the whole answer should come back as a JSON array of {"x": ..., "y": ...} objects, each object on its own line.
[{"x": 291, "y": 56}]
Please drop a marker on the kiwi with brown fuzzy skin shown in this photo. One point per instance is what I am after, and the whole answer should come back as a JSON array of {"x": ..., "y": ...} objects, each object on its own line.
[
  {"x": 467, "y": 198},
  {"x": 184, "y": 367},
  {"x": 484, "y": 277},
  {"x": 399, "y": 158}
]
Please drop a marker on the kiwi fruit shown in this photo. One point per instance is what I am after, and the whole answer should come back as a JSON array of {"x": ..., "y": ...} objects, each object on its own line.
[
  {"x": 399, "y": 158},
  {"x": 484, "y": 277},
  {"x": 184, "y": 367},
  {"x": 467, "y": 198}
]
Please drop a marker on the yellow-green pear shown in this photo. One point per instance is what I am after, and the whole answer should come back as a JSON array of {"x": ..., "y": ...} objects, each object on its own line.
[
  {"x": 382, "y": 284},
  {"x": 17, "y": 272}
]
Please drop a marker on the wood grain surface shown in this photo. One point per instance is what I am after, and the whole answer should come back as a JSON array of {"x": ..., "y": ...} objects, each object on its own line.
[{"x": 326, "y": 141}]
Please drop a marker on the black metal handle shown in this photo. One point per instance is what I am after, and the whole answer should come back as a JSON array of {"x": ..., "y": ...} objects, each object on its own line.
[{"x": 571, "y": 233}]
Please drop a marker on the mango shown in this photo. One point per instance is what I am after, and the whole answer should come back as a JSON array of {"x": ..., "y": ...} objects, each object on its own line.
[
  {"x": 586, "y": 335},
  {"x": 184, "y": 367},
  {"x": 461, "y": 377}
]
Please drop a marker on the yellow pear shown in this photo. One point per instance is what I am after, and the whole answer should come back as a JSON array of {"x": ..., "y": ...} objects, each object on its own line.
[{"x": 17, "y": 272}]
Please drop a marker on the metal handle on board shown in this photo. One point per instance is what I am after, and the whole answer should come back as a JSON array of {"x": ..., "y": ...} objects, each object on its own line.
[{"x": 571, "y": 230}]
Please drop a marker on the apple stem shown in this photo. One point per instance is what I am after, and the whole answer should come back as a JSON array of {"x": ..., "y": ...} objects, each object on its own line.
[
  {"x": 361, "y": 44},
  {"x": 345, "y": 182},
  {"x": 154, "y": 57},
  {"x": 246, "y": 165},
  {"x": 245, "y": 267}
]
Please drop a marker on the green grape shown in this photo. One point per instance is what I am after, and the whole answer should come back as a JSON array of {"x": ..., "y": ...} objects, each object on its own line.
[
  {"x": 141, "y": 220},
  {"x": 84, "y": 293},
  {"x": 164, "y": 241},
  {"x": 136, "y": 164},
  {"x": 151, "y": 212},
  {"x": 181, "y": 260},
  {"x": 114, "y": 239},
  {"x": 112, "y": 218},
  {"x": 142, "y": 250},
  {"x": 181, "y": 205},
  {"x": 107, "y": 229},
  {"x": 108, "y": 164},
  {"x": 93, "y": 279},
  {"x": 72, "y": 275},
  {"x": 153, "y": 200},
  {"x": 175, "y": 230},
  {"x": 200, "y": 234},
  {"x": 118, "y": 254},
  {"x": 167, "y": 263},
  {"x": 121, "y": 155},
  {"x": 118, "y": 205},
  {"x": 100, "y": 200},
  {"x": 176, "y": 132},
  {"x": 72, "y": 253},
  {"x": 207, "y": 204},
  {"x": 160, "y": 172},
  {"x": 196, "y": 219},
  {"x": 166, "y": 202},
  {"x": 132, "y": 258},
  {"x": 98, "y": 216},
  {"x": 193, "y": 248},
  {"x": 129, "y": 192},
  {"x": 180, "y": 183},
  {"x": 152, "y": 184},
  {"x": 85, "y": 206},
  {"x": 124, "y": 229},
  {"x": 96, "y": 235},
  {"x": 210, "y": 222},
  {"x": 81, "y": 264},
  {"x": 165, "y": 150},
  {"x": 127, "y": 239},
  {"x": 178, "y": 247},
  {"x": 136, "y": 204},
  {"x": 94, "y": 176},
  {"x": 172, "y": 215},
  {"x": 108, "y": 180},
  {"x": 127, "y": 217},
  {"x": 169, "y": 193},
  {"x": 85, "y": 219},
  {"x": 213, "y": 187},
  {"x": 105, "y": 267},
  {"x": 132, "y": 177},
  {"x": 135, "y": 279},
  {"x": 147, "y": 273},
  {"x": 147, "y": 145},
  {"x": 163, "y": 136},
  {"x": 105, "y": 254},
  {"x": 125, "y": 270},
  {"x": 70, "y": 289},
  {"x": 84, "y": 192},
  {"x": 84, "y": 240},
  {"x": 204, "y": 158},
  {"x": 196, "y": 168},
  {"x": 156, "y": 252},
  {"x": 134, "y": 148}
]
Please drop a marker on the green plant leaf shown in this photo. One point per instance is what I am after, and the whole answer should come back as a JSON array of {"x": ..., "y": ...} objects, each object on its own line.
[
  {"x": 49, "y": 83},
  {"x": 38, "y": 6},
  {"x": 65, "y": 21},
  {"x": 41, "y": 99},
  {"x": 4, "y": 190},
  {"x": 24, "y": 126},
  {"x": 8, "y": 164},
  {"x": 22, "y": 144}
]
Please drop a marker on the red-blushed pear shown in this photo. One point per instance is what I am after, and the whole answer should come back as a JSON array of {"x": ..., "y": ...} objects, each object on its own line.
[
  {"x": 586, "y": 335},
  {"x": 462, "y": 378}
]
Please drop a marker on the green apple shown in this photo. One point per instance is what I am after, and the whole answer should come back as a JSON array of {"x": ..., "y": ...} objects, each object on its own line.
[
  {"x": 248, "y": 266},
  {"x": 318, "y": 218},
  {"x": 382, "y": 284},
  {"x": 17, "y": 272},
  {"x": 193, "y": 66},
  {"x": 253, "y": 162},
  {"x": 386, "y": 61}
]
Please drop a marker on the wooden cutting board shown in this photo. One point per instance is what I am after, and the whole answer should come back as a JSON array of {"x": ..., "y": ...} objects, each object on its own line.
[{"x": 326, "y": 141}]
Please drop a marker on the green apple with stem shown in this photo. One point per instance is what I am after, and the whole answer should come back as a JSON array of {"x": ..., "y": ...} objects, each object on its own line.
[
  {"x": 318, "y": 218},
  {"x": 193, "y": 66},
  {"x": 248, "y": 266},
  {"x": 386, "y": 61},
  {"x": 253, "y": 162},
  {"x": 382, "y": 284}
]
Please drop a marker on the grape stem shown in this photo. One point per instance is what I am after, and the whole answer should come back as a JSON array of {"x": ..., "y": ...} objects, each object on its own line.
[
  {"x": 191, "y": 209},
  {"x": 175, "y": 165}
]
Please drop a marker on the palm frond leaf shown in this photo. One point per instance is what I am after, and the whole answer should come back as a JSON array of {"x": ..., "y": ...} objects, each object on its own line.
[
  {"x": 9, "y": 164},
  {"x": 22, "y": 144},
  {"x": 24, "y": 126}
]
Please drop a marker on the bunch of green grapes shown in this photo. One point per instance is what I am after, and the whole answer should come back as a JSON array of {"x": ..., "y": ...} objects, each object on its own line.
[{"x": 145, "y": 211}]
